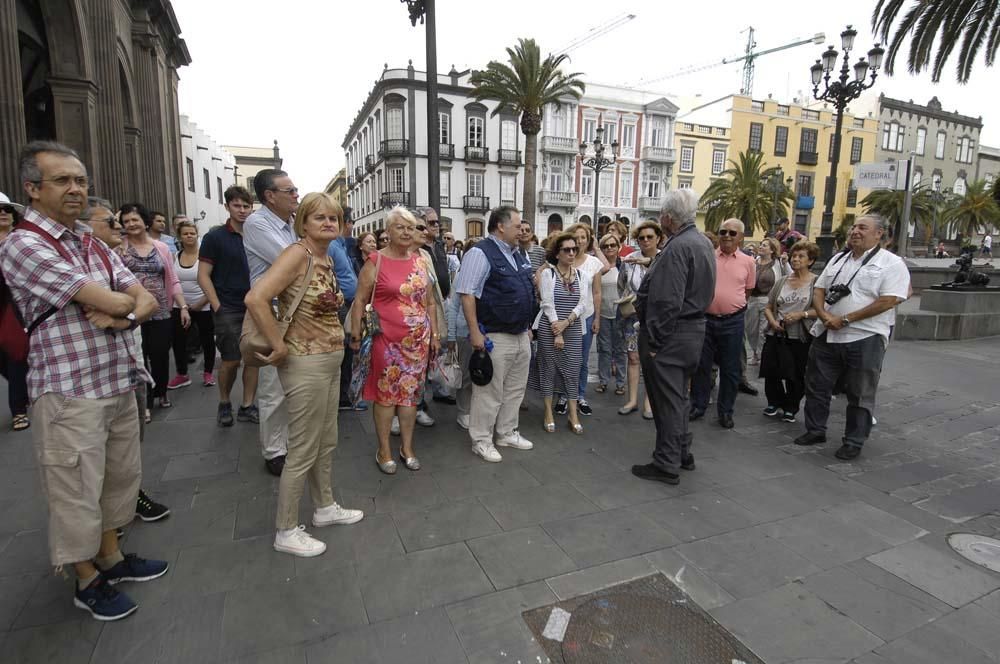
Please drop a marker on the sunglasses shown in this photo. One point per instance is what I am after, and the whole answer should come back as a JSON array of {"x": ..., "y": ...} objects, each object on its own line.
[
  {"x": 6, "y": 209},
  {"x": 610, "y": 245},
  {"x": 725, "y": 233},
  {"x": 289, "y": 190},
  {"x": 568, "y": 250},
  {"x": 647, "y": 237},
  {"x": 421, "y": 228}
]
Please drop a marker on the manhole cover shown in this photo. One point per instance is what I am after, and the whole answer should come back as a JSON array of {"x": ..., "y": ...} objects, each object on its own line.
[
  {"x": 641, "y": 622},
  {"x": 979, "y": 549}
]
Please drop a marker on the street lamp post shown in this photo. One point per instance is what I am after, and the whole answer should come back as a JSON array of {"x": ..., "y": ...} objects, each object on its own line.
[
  {"x": 840, "y": 92},
  {"x": 423, "y": 10},
  {"x": 598, "y": 163},
  {"x": 774, "y": 185}
]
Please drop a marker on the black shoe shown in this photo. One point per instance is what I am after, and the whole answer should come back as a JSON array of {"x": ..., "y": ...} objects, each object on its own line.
[
  {"x": 248, "y": 414},
  {"x": 447, "y": 398},
  {"x": 149, "y": 510},
  {"x": 772, "y": 411},
  {"x": 688, "y": 462},
  {"x": 561, "y": 406},
  {"x": 225, "y": 416},
  {"x": 696, "y": 414},
  {"x": 747, "y": 388},
  {"x": 584, "y": 408},
  {"x": 726, "y": 421},
  {"x": 651, "y": 472},
  {"x": 810, "y": 438},
  {"x": 788, "y": 417},
  {"x": 847, "y": 452},
  {"x": 275, "y": 465}
]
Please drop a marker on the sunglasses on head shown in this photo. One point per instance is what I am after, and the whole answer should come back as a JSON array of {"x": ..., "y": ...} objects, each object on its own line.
[{"x": 724, "y": 233}]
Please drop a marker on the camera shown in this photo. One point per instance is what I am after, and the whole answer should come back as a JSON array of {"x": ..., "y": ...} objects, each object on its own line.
[{"x": 837, "y": 293}]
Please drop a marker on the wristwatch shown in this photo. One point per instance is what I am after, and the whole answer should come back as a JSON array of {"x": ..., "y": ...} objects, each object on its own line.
[
  {"x": 845, "y": 321},
  {"x": 133, "y": 322}
]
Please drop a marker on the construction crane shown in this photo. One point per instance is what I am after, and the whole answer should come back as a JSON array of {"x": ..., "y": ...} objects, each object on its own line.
[
  {"x": 596, "y": 32},
  {"x": 748, "y": 59}
]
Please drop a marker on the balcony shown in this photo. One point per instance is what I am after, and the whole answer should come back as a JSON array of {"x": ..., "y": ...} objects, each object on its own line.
[
  {"x": 359, "y": 174},
  {"x": 563, "y": 144},
  {"x": 649, "y": 203},
  {"x": 508, "y": 201},
  {"x": 370, "y": 164},
  {"x": 393, "y": 198},
  {"x": 446, "y": 151},
  {"x": 805, "y": 202},
  {"x": 473, "y": 153},
  {"x": 350, "y": 182},
  {"x": 653, "y": 153},
  {"x": 509, "y": 157},
  {"x": 475, "y": 203},
  {"x": 394, "y": 147},
  {"x": 808, "y": 158},
  {"x": 559, "y": 199}
]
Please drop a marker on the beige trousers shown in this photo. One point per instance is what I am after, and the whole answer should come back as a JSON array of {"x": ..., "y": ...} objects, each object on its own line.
[
  {"x": 497, "y": 407},
  {"x": 312, "y": 396},
  {"x": 88, "y": 454}
]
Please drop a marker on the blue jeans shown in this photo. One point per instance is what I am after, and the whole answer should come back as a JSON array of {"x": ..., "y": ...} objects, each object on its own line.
[
  {"x": 588, "y": 338},
  {"x": 722, "y": 346},
  {"x": 611, "y": 348}
]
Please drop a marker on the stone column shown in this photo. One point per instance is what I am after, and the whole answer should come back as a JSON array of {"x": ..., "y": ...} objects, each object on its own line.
[
  {"x": 12, "y": 128},
  {"x": 110, "y": 153},
  {"x": 75, "y": 102},
  {"x": 149, "y": 95},
  {"x": 175, "y": 158}
]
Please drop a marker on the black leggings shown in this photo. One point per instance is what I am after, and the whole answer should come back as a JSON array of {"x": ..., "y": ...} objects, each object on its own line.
[
  {"x": 156, "y": 335},
  {"x": 206, "y": 332},
  {"x": 16, "y": 374}
]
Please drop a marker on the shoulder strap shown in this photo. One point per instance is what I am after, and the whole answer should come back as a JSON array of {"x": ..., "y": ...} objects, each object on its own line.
[
  {"x": 58, "y": 246},
  {"x": 287, "y": 318},
  {"x": 378, "y": 268}
]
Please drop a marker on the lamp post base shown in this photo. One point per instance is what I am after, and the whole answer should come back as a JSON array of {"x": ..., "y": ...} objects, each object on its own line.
[{"x": 825, "y": 243}]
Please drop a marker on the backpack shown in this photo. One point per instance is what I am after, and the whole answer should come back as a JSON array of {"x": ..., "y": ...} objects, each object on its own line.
[{"x": 15, "y": 336}]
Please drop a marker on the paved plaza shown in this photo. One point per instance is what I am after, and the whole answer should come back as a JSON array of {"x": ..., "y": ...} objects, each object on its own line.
[{"x": 802, "y": 558}]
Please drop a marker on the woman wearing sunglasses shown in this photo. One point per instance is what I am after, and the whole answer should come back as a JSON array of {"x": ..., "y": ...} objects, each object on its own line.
[
  {"x": 610, "y": 345},
  {"x": 633, "y": 268}
]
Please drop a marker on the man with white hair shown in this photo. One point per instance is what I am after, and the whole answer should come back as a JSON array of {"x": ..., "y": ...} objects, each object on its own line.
[
  {"x": 736, "y": 276},
  {"x": 855, "y": 298},
  {"x": 671, "y": 304}
]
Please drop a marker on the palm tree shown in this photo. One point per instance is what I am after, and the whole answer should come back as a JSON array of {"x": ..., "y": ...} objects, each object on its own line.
[
  {"x": 888, "y": 204},
  {"x": 525, "y": 86},
  {"x": 741, "y": 192},
  {"x": 967, "y": 24},
  {"x": 975, "y": 212}
]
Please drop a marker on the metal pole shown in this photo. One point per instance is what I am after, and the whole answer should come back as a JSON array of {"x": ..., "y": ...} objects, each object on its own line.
[
  {"x": 825, "y": 239},
  {"x": 433, "y": 164},
  {"x": 597, "y": 189},
  {"x": 904, "y": 230}
]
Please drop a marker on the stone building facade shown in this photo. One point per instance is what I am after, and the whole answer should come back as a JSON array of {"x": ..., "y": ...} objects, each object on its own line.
[{"x": 100, "y": 76}]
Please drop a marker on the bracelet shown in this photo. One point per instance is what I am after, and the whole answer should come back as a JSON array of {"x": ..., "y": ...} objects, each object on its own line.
[{"x": 184, "y": 306}]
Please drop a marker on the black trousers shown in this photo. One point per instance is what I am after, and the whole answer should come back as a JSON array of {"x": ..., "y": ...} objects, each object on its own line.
[
  {"x": 156, "y": 338},
  {"x": 16, "y": 374},
  {"x": 348, "y": 361},
  {"x": 204, "y": 325}
]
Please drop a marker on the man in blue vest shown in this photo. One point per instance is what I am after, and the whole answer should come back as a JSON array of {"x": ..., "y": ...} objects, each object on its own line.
[{"x": 498, "y": 299}]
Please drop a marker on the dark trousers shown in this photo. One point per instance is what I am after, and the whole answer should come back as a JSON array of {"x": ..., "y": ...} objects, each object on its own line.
[
  {"x": 855, "y": 367},
  {"x": 16, "y": 374},
  {"x": 784, "y": 394},
  {"x": 666, "y": 377},
  {"x": 156, "y": 336},
  {"x": 783, "y": 366},
  {"x": 205, "y": 326},
  {"x": 348, "y": 362},
  {"x": 722, "y": 346}
]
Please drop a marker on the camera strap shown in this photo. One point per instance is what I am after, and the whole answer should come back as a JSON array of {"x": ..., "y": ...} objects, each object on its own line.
[{"x": 871, "y": 255}]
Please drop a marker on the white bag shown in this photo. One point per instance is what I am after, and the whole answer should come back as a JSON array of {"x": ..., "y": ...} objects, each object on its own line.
[{"x": 450, "y": 371}]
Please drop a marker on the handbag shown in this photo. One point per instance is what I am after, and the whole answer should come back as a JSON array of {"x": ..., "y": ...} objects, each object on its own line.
[
  {"x": 450, "y": 371},
  {"x": 253, "y": 343},
  {"x": 371, "y": 325},
  {"x": 626, "y": 305}
]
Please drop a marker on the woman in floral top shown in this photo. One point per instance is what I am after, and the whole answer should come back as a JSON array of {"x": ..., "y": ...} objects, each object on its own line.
[
  {"x": 308, "y": 358},
  {"x": 397, "y": 284}
]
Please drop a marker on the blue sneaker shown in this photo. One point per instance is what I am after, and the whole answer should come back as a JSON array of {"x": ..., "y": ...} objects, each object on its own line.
[
  {"x": 103, "y": 601},
  {"x": 134, "y": 568}
]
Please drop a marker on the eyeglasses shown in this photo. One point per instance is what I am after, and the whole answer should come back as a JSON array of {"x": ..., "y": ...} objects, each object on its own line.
[
  {"x": 65, "y": 181},
  {"x": 6, "y": 209},
  {"x": 610, "y": 245},
  {"x": 724, "y": 233},
  {"x": 289, "y": 190},
  {"x": 421, "y": 228},
  {"x": 568, "y": 250},
  {"x": 647, "y": 237}
]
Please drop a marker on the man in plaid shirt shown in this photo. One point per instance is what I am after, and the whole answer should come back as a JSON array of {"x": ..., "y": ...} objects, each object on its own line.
[{"x": 82, "y": 371}]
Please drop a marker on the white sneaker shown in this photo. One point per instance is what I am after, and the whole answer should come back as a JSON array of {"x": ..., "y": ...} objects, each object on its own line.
[
  {"x": 423, "y": 419},
  {"x": 335, "y": 514},
  {"x": 463, "y": 421},
  {"x": 298, "y": 543},
  {"x": 394, "y": 429},
  {"x": 515, "y": 440},
  {"x": 487, "y": 452}
]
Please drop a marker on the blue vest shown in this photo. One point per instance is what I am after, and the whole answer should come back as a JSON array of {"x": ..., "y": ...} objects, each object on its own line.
[{"x": 508, "y": 300}]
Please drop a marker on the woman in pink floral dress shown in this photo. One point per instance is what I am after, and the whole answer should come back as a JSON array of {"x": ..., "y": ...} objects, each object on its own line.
[{"x": 395, "y": 282}]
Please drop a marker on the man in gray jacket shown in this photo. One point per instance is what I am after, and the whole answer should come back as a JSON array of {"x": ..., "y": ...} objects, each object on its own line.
[{"x": 671, "y": 303}]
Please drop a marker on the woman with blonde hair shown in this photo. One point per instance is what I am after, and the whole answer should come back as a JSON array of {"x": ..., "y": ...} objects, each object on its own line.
[
  {"x": 633, "y": 268},
  {"x": 308, "y": 358},
  {"x": 770, "y": 268},
  {"x": 186, "y": 267}
]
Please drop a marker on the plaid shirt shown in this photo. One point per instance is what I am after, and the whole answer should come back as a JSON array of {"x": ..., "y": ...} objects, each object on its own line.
[{"x": 69, "y": 355}]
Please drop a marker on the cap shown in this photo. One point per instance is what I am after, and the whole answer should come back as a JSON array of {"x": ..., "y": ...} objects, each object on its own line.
[
  {"x": 6, "y": 201},
  {"x": 481, "y": 368}
]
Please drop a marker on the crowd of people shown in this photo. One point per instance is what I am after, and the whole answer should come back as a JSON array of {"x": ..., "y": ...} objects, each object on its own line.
[{"x": 320, "y": 322}]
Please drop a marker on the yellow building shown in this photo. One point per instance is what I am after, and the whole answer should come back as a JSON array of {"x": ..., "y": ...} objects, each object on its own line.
[
  {"x": 337, "y": 187},
  {"x": 703, "y": 152}
]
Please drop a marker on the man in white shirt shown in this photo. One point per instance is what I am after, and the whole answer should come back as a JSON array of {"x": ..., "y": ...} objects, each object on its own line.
[{"x": 855, "y": 299}]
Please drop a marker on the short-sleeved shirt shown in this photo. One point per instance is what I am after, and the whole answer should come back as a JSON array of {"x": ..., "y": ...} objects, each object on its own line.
[
  {"x": 222, "y": 248},
  {"x": 69, "y": 355},
  {"x": 735, "y": 274},
  {"x": 151, "y": 273},
  {"x": 265, "y": 236},
  {"x": 346, "y": 279}
]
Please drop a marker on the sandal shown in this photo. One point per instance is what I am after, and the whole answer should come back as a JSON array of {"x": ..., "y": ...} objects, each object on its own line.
[
  {"x": 620, "y": 390},
  {"x": 165, "y": 403},
  {"x": 20, "y": 423},
  {"x": 576, "y": 428},
  {"x": 550, "y": 427},
  {"x": 602, "y": 388},
  {"x": 149, "y": 416}
]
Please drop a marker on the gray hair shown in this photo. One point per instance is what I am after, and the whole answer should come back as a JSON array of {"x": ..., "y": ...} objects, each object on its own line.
[
  {"x": 94, "y": 202},
  {"x": 421, "y": 212},
  {"x": 877, "y": 218},
  {"x": 740, "y": 226},
  {"x": 681, "y": 205},
  {"x": 28, "y": 159}
]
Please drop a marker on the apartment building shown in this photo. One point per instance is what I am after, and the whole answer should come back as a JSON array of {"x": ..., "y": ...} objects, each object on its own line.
[{"x": 209, "y": 170}]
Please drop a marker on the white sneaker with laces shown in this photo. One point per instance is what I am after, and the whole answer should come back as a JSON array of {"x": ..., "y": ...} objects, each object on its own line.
[
  {"x": 487, "y": 452},
  {"x": 298, "y": 543},
  {"x": 463, "y": 421},
  {"x": 335, "y": 514},
  {"x": 423, "y": 419},
  {"x": 394, "y": 428},
  {"x": 515, "y": 440}
]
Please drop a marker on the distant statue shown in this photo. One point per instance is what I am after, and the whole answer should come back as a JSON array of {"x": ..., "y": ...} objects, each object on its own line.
[{"x": 966, "y": 277}]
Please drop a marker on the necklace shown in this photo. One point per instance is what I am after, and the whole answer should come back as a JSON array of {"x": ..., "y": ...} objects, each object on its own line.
[{"x": 566, "y": 278}]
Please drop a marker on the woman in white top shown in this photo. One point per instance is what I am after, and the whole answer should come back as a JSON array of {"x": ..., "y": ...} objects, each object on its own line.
[
  {"x": 633, "y": 268},
  {"x": 186, "y": 266},
  {"x": 771, "y": 266},
  {"x": 610, "y": 344}
]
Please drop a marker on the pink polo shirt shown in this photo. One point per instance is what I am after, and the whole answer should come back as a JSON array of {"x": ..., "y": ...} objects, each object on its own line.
[{"x": 735, "y": 274}]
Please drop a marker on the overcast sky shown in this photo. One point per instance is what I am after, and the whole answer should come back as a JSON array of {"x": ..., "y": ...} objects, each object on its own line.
[{"x": 298, "y": 71}]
